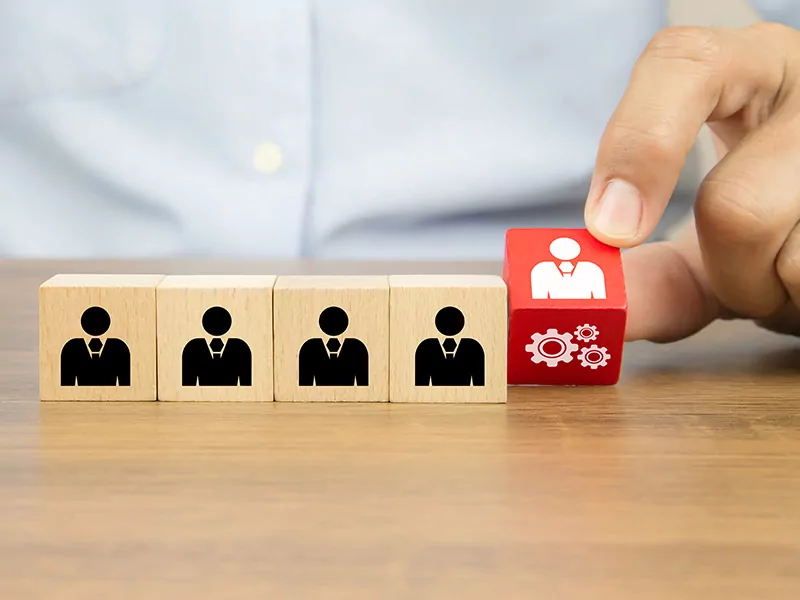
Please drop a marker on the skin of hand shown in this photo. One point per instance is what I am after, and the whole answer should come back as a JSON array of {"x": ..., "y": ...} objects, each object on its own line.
[{"x": 739, "y": 256}]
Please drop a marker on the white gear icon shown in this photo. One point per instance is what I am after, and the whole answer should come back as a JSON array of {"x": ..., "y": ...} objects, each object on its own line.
[
  {"x": 565, "y": 347},
  {"x": 594, "y": 357},
  {"x": 586, "y": 333}
]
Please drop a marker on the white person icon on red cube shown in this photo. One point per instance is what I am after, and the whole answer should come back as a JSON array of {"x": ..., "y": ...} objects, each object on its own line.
[
  {"x": 567, "y": 308},
  {"x": 566, "y": 280}
]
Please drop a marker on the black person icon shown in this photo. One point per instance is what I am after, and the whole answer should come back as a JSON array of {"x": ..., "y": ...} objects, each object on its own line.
[
  {"x": 95, "y": 363},
  {"x": 218, "y": 362},
  {"x": 450, "y": 362},
  {"x": 337, "y": 361}
]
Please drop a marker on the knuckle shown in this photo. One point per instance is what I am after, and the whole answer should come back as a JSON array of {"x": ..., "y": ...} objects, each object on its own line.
[
  {"x": 777, "y": 45},
  {"x": 774, "y": 31},
  {"x": 697, "y": 45},
  {"x": 732, "y": 210}
]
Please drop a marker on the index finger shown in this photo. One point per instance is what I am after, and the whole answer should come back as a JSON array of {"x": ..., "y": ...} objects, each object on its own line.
[{"x": 684, "y": 78}]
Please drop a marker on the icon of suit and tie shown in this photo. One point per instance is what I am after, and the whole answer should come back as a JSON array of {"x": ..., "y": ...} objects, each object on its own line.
[
  {"x": 219, "y": 361},
  {"x": 95, "y": 362},
  {"x": 337, "y": 361},
  {"x": 452, "y": 361}
]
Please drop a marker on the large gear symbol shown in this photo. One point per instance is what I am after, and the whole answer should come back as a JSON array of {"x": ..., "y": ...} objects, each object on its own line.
[
  {"x": 552, "y": 357},
  {"x": 586, "y": 333},
  {"x": 594, "y": 357}
]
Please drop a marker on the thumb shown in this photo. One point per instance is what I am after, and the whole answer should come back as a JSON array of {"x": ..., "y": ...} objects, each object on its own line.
[{"x": 669, "y": 297}]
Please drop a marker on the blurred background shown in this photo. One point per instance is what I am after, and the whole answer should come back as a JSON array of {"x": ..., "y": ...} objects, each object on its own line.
[
  {"x": 286, "y": 129},
  {"x": 719, "y": 13}
]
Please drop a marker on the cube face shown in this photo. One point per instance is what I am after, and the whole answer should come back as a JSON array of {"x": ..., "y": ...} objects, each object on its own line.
[
  {"x": 567, "y": 308},
  {"x": 558, "y": 268},
  {"x": 448, "y": 338},
  {"x": 565, "y": 346},
  {"x": 215, "y": 338},
  {"x": 332, "y": 339},
  {"x": 97, "y": 338}
]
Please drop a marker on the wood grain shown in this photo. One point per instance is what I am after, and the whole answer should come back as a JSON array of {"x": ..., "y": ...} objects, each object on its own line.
[{"x": 681, "y": 482}]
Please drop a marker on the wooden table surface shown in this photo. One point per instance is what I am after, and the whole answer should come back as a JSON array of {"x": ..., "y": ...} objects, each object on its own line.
[{"x": 681, "y": 482}]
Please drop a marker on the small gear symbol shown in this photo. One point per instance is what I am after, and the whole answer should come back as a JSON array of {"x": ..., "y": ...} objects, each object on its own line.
[
  {"x": 551, "y": 347},
  {"x": 594, "y": 357},
  {"x": 586, "y": 333}
]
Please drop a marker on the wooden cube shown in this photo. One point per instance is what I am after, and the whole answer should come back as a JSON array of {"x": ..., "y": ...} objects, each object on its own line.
[
  {"x": 567, "y": 308},
  {"x": 448, "y": 338},
  {"x": 97, "y": 337},
  {"x": 332, "y": 339},
  {"x": 215, "y": 338}
]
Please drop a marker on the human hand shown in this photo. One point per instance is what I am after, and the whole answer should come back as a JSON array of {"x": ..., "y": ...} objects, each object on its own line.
[{"x": 739, "y": 257}]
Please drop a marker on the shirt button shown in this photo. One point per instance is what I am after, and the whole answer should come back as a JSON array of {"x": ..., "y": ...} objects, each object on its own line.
[{"x": 268, "y": 158}]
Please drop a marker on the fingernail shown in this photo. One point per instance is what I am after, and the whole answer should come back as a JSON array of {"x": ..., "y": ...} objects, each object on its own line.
[{"x": 619, "y": 211}]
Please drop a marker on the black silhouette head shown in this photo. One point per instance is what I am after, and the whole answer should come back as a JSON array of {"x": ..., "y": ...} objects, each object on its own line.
[
  {"x": 449, "y": 321},
  {"x": 216, "y": 321},
  {"x": 333, "y": 321},
  {"x": 95, "y": 321}
]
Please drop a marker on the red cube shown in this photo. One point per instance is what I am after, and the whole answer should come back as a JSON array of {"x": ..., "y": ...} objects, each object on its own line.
[{"x": 567, "y": 308}]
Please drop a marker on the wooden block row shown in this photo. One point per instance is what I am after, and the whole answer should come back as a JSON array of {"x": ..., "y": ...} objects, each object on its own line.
[{"x": 403, "y": 338}]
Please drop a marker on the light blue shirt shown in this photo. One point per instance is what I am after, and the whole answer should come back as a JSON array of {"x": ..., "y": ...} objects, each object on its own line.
[{"x": 302, "y": 128}]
